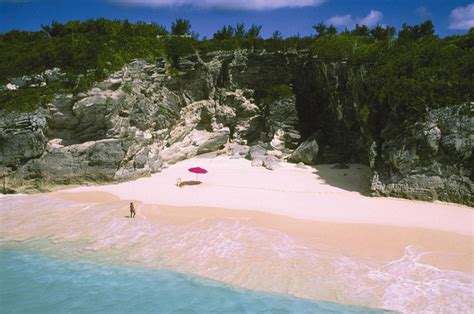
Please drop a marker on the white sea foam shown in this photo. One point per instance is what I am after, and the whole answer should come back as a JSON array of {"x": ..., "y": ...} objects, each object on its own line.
[{"x": 410, "y": 283}]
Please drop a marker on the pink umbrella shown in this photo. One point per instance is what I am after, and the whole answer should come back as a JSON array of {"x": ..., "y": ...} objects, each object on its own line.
[{"x": 197, "y": 170}]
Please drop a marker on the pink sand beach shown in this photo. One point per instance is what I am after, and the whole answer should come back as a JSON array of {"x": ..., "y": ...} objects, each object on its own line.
[{"x": 310, "y": 233}]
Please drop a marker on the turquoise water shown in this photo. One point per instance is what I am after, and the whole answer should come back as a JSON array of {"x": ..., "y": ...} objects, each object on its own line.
[{"x": 33, "y": 283}]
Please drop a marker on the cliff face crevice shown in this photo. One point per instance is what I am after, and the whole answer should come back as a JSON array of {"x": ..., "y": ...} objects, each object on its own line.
[
  {"x": 428, "y": 158},
  {"x": 330, "y": 98},
  {"x": 147, "y": 116}
]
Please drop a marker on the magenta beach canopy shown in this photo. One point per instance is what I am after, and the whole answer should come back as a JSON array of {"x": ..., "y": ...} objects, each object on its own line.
[{"x": 197, "y": 170}]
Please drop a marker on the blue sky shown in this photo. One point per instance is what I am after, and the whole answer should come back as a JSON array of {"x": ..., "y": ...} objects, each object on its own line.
[{"x": 288, "y": 16}]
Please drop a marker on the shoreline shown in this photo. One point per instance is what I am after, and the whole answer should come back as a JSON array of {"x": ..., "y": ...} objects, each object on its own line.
[
  {"x": 356, "y": 264},
  {"x": 334, "y": 244},
  {"x": 352, "y": 239}
]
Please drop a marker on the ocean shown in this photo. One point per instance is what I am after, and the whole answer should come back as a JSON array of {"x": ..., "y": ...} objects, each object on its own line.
[{"x": 34, "y": 283}]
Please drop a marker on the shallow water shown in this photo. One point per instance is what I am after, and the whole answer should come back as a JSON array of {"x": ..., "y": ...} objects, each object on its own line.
[
  {"x": 227, "y": 249},
  {"x": 35, "y": 283}
]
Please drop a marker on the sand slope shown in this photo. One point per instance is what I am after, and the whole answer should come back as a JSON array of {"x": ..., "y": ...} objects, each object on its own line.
[{"x": 323, "y": 194}]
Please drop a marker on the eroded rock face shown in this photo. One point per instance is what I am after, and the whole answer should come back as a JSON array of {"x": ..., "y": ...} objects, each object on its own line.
[
  {"x": 21, "y": 138},
  {"x": 90, "y": 160},
  {"x": 145, "y": 117},
  {"x": 431, "y": 160},
  {"x": 282, "y": 124},
  {"x": 141, "y": 119},
  {"x": 195, "y": 143}
]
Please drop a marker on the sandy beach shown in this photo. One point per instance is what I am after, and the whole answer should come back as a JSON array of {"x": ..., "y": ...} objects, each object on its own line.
[
  {"x": 323, "y": 194},
  {"x": 310, "y": 233}
]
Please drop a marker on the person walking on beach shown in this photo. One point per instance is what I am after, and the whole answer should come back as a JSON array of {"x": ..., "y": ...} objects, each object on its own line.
[{"x": 132, "y": 210}]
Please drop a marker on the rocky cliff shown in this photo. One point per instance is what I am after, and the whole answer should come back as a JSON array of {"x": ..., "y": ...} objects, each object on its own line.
[{"x": 147, "y": 116}]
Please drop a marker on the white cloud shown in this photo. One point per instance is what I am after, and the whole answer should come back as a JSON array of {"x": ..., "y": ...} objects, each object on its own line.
[
  {"x": 226, "y": 4},
  {"x": 462, "y": 17},
  {"x": 371, "y": 19},
  {"x": 340, "y": 20}
]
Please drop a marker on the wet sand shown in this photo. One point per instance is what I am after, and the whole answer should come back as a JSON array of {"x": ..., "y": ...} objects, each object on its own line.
[{"x": 447, "y": 250}]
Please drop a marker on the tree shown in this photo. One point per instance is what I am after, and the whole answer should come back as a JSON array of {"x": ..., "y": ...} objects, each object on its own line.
[
  {"x": 239, "y": 30},
  {"x": 320, "y": 29},
  {"x": 55, "y": 30},
  {"x": 277, "y": 35},
  {"x": 345, "y": 31},
  {"x": 332, "y": 30},
  {"x": 426, "y": 29},
  {"x": 126, "y": 28},
  {"x": 177, "y": 47},
  {"x": 253, "y": 32},
  {"x": 381, "y": 33},
  {"x": 181, "y": 27},
  {"x": 225, "y": 33},
  {"x": 415, "y": 32},
  {"x": 360, "y": 30}
]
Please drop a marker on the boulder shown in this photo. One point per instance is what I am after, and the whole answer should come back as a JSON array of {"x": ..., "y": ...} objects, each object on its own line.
[
  {"x": 275, "y": 153},
  {"x": 214, "y": 142},
  {"x": 257, "y": 162},
  {"x": 307, "y": 152},
  {"x": 300, "y": 165},
  {"x": 278, "y": 141},
  {"x": 256, "y": 151},
  {"x": 237, "y": 150},
  {"x": 271, "y": 162},
  {"x": 196, "y": 142}
]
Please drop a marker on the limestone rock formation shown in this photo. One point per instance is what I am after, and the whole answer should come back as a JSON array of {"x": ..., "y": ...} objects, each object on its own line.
[
  {"x": 261, "y": 157},
  {"x": 237, "y": 151},
  {"x": 306, "y": 153},
  {"x": 147, "y": 116},
  {"x": 282, "y": 124},
  {"x": 433, "y": 159},
  {"x": 41, "y": 79},
  {"x": 138, "y": 120},
  {"x": 21, "y": 138}
]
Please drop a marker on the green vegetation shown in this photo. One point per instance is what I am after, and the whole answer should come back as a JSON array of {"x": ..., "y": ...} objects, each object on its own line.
[
  {"x": 75, "y": 47},
  {"x": 181, "y": 27},
  {"x": 408, "y": 71}
]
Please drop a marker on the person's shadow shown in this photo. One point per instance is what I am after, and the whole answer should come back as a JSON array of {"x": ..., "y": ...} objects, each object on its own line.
[{"x": 184, "y": 183}]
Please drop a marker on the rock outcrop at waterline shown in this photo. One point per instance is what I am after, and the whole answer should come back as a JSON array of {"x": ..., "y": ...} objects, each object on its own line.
[{"x": 147, "y": 116}]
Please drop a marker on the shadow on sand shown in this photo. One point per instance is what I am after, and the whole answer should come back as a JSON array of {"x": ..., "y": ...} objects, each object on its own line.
[
  {"x": 185, "y": 183},
  {"x": 353, "y": 177}
]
